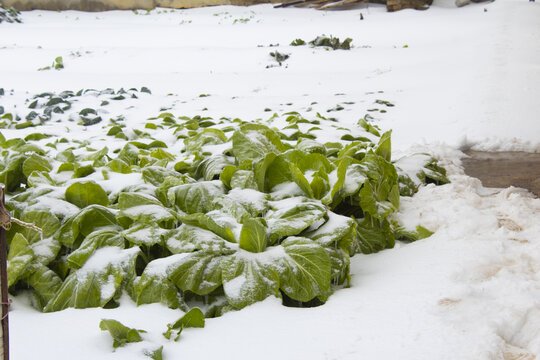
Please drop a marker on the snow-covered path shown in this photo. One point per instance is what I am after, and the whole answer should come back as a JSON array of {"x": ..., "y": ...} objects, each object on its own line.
[{"x": 467, "y": 77}]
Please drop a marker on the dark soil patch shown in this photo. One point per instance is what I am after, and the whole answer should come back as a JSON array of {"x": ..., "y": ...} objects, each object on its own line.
[{"x": 504, "y": 169}]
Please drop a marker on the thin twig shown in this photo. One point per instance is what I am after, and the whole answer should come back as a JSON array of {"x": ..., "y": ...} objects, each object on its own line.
[{"x": 26, "y": 225}]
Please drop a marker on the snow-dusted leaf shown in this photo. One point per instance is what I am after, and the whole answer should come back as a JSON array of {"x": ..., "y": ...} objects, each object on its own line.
[
  {"x": 305, "y": 272},
  {"x": 188, "y": 238},
  {"x": 380, "y": 194},
  {"x": 145, "y": 234},
  {"x": 249, "y": 279},
  {"x": 154, "y": 286},
  {"x": 84, "y": 223},
  {"x": 150, "y": 215},
  {"x": 254, "y": 141},
  {"x": 105, "y": 236},
  {"x": 45, "y": 283},
  {"x": 127, "y": 199},
  {"x": 195, "y": 198},
  {"x": 334, "y": 229},
  {"x": 292, "y": 216},
  {"x": 243, "y": 179},
  {"x": 98, "y": 281},
  {"x": 199, "y": 272},
  {"x": 36, "y": 162},
  {"x": 213, "y": 166},
  {"x": 208, "y": 222},
  {"x": 205, "y": 137}
]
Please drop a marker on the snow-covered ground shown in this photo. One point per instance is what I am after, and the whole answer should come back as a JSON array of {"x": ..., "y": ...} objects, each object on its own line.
[{"x": 458, "y": 78}]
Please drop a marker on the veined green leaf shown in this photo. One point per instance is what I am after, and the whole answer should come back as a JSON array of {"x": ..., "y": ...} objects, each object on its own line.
[
  {"x": 129, "y": 154},
  {"x": 380, "y": 195},
  {"x": 45, "y": 283},
  {"x": 384, "y": 147},
  {"x": 19, "y": 258},
  {"x": 310, "y": 146},
  {"x": 334, "y": 229},
  {"x": 207, "y": 222},
  {"x": 98, "y": 281},
  {"x": 194, "y": 318},
  {"x": 199, "y": 272},
  {"x": 368, "y": 127},
  {"x": 66, "y": 156},
  {"x": 243, "y": 179},
  {"x": 420, "y": 233},
  {"x": 292, "y": 216},
  {"x": 227, "y": 174},
  {"x": 160, "y": 154},
  {"x": 154, "y": 286},
  {"x": 308, "y": 161},
  {"x": 249, "y": 279},
  {"x": 228, "y": 205},
  {"x": 105, "y": 236},
  {"x": 156, "y": 175},
  {"x": 207, "y": 136},
  {"x": 83, "y": 223},
  {"x": 253, "y": 236},
  {"x": 320, "y": 184},
  {"x": 211, "y": 167},
  {"x": 305, "y": 272},
  {"x": 130, "y": 199},
  {"x": 45, "y": 220},
  {"x": 81, "y": 171},
  {"x": 337, "y": 180},
  {"x": 339, "y": 264},
  {"x": 86, "y": 193},
  {"x": 121, "y": 334},
  {"x": 36, "y": 162},
  {"x": 147, "y": 214},
  {"x": 154, "y": 354},
  {"x": 374, "y": 235},
  {"x": 12, "y": 176},
  {"x": 260, "y": 168},
  {"x": 282, "y": 170},
  {"x": 254, "y": 141},
  {"x": 195, "y": 198},
  {"x": 145, "y": 234},
  {"x": 188, "y": 238},
  {"x": 37, "y": 178},
  {"x": 99, "y": 157},
  {"x": 119, "y": 166},
  {"x": 417, "y": 169}
]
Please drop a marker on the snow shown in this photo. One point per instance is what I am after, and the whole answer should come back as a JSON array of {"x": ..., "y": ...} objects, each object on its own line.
[
  {"x": 106, "y": 256},
  {"x": 286, "y": 190},
  {"x": 156, "y": 211},
  {"x": 58, "y": 207},
  {"x": 249, "y": 197},
  {"x": 233, "y": 288},
  {"x": 163, "y": 266},
  {"x": 409, "y": 165},
  {"x": 44, "y": 247},
  {"x": 468, "y": 78}
]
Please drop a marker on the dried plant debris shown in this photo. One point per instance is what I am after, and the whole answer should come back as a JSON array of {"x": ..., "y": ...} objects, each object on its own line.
[
  {"x": 9, "y": 15},
  {"x": 279, "y": 57},
  {"x": 332, "y": 42}
]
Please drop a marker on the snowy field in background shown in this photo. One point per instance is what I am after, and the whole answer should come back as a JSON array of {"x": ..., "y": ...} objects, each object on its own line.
[{"x": 459, "y": 78}]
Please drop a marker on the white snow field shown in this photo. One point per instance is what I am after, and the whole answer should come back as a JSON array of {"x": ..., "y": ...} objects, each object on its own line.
[{"x": 459, "y": 78}]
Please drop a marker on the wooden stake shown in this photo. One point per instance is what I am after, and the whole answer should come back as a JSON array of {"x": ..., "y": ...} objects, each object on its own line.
[{"x": 4, "y": 283}]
